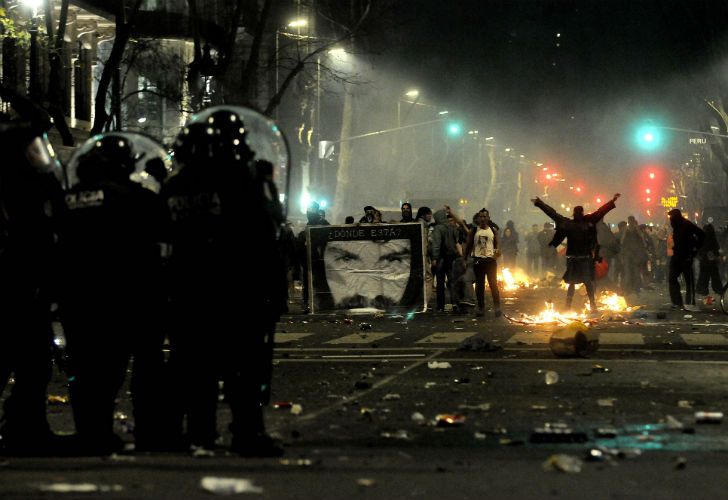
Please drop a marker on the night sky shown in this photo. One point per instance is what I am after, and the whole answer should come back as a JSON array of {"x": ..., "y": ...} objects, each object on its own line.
[{"x": 564, "y": 98}]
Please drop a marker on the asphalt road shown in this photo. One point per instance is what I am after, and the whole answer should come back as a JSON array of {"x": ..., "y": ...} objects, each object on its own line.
[{"x": 368, "y": 408}]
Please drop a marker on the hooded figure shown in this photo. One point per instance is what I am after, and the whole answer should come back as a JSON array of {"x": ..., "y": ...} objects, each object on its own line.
[
  {"x": 687, "y": 240},
  {"x": 581, "y": 241}
]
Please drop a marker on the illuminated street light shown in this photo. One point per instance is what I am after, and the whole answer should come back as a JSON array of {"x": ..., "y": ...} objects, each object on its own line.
[
  {"x": 412, "y": 94},
  {"x": 298, "y": 23}
]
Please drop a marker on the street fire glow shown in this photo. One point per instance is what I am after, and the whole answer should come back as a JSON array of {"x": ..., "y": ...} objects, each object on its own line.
[
  {"x": 608, "y": 302},
  {"x": 513, "y": 280}
]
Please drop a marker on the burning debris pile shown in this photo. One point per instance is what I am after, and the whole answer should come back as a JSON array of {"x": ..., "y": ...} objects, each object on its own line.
[{"x": 611, "y": 305}]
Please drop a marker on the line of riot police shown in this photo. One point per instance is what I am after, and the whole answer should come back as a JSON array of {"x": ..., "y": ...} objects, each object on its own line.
[{"x": 136, "y": 245}]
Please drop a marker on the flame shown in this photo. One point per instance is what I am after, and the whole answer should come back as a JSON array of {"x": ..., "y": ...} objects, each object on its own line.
[
  {"x": 513, "y": 280},
  {"x": 607, "y": 302},
  {"x": 550, "y": 316}
]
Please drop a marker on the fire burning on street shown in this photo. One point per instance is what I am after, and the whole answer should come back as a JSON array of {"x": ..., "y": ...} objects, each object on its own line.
[
  {"x": 514, "y": 280},
  {"x": 608, "y": 302}
]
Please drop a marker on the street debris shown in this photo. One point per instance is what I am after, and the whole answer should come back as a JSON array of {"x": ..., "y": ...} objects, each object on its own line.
[
  {"x": 200, "y": 452},
  {"x": 684, "y": 403},
  {"x": 480, "y": 407},
  {"x": 430, "y": 385},
  {"x": 296, "y": 409},
  {"x": 79, "y": 488},
  {"x": 562, "y": 463},
  {"x": 365, "y": 482},
  {"x": 673, "y": 423},
  {"x": 435, "y": 365},
  {"x": 708, "y": 417},
  {"x": 600, "y": 369},
  {"x": 399, "y": 434},
  {"x": 478, "y": 344},
  {"x": 606, "y": 402},
  {"x": 557, "y": 432},
  {"x": 296, "y": 462},
  {"x": 450, "y": 420},
  {"x": 574, "y": 339},
  {"x": 228, "y": 485},
  {"x": 606, "y": 432},
  {"x": 680, "y": 463},
  {"x": 390, "y": 397},
  {"x": 550, "y": 377},
  {"x": 54, "y": 399},
  {"x": 417, "y": 418},
  {"x": 282, "y": 405}
]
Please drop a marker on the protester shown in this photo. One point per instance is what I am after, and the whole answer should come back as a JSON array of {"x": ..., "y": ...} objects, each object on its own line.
[
  {"x": 581, "y": 241},
  {"x": 709, "y": 258},
  {"x": 482, "y": 244},
  {"x": 687, "y": 239}
]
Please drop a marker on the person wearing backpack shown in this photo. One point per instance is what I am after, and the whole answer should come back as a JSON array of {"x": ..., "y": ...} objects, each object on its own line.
[{"x": 444, "y": 253}]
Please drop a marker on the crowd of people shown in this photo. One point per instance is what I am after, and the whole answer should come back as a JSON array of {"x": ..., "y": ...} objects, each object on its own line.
[{"x": 635, "y": 256}]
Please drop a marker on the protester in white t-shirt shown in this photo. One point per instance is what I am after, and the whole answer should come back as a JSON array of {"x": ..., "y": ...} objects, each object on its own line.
[{"x": 482, "y": 244}]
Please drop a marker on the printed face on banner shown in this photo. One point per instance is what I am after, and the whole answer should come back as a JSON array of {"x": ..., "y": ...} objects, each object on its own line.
[{"x": 367, "y": 268}]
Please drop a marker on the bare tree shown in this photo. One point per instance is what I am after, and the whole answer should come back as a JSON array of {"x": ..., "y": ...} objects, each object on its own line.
[{"x": 124, "y": 25}]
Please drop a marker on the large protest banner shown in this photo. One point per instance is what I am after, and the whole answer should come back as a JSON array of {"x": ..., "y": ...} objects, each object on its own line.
[{"x": 367, "y": 267}]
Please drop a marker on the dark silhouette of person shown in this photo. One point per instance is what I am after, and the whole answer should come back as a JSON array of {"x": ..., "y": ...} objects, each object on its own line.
[
  {"x": 111, "y": 299},
  {"x": 581, "y": 241},
  {"x": 687, "y": 239},
  {"x": 30, "y": 196},
  {"x": 226, "y": 219}
]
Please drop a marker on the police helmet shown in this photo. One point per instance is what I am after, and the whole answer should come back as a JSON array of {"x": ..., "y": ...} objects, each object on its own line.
[
  {"x": 24, "y": 140},
  {"x": 121, "y": 156},
  {"x": 235, "y": 136}
]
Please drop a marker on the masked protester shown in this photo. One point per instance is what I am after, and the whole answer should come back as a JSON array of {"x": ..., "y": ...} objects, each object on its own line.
[
  {"x": 30, "y": 195},
  {"x": 112, "y": 301},
  {"x": 224, "y": 236},
  {"x": 581, "y": 241},
  {"x": 687, "y": 240}
]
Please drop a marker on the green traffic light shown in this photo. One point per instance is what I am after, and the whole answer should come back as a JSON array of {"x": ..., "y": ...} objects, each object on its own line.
[
  {"x": 454, "y": 129},
  {"x": 649, "y": 138}
]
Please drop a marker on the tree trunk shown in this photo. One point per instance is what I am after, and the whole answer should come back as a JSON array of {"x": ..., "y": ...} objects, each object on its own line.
[
  {"x": 342, "y": 173},
  {"x": 123, "y": 32},
  {"x": 251, "y": 67},
  {"x": 56, "y": 87}
]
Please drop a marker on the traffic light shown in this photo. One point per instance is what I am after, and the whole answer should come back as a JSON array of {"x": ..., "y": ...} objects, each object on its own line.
[
  {"x": 454, "y": 128},
  {"x": 649, "y": 137}
]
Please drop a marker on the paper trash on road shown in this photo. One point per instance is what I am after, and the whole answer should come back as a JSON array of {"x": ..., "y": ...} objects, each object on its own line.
[
  {"x": 228, "y": 485},
  {"x": 79, "y": 488},
  {"x": 438, "y": 365},
  {"x": 563, "y": 463}
]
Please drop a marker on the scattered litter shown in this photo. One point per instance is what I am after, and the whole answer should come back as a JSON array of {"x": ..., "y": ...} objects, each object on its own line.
[
  {"x": 296, "y": 409},
  {"x": 688, "y": 316},
  {"x": 282, "y": 405},
  {"x": 54, "y": 399},
  {"x": 563, "y": 463},
  {"x": 606, "y": 402},
  {"x": 450, "y": 420},
  {"x": 673, "y": 423},
  {"x": 200, "y": 452},
  {"x": 438, "y": 365},
  {"x": 400, "y": 434},
  {"x": 296, "y": 462},
  {"x": 480, "y": 435},
  {"x": 708, "y": 417},
  {"x": 595, "y": 455},
  {"x": 79, "y": 488},
  {"x": 115, "y": 457},
  {"x": 463, "y": 380},
  {"x": 390, "y": 397},
  {"x": 429, "y": 385},
  {"x": 228, "y": 485},
  {"x": 366, "y": 482},
  {"x": 539, "y": 407},
  {"x": 606, "y": 432},
  {"x": 600, "y": 369},
  {"x": 557, "y": 432},
  {"x": 417, "y": 417},
  {"x": 551, "y": 377},
  {"x": 680, "y": 463},
  {"x": 476, "y": 343},
  {"x": 481, "y": 407},
  {"x": 575, "y": 339},
  {"x": 684, "y": 403}
]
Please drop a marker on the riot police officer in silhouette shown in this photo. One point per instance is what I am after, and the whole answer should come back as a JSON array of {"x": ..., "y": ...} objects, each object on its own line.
[
  {"x": 29, "y": 196},
  {"x": 226, "y": 218},
  {"x": 112, "y": 297}
]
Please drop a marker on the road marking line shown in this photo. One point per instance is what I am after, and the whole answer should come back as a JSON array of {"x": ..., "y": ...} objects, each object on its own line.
[
  {"x": 282, "y": 338},
  {"x": 622, "y": 338},
  {"x": 704, "y": 339},
  {"x": 446, "y": 338},
  {"x": 360, "y": 394},
  {"x": 530, "y": 338},
  {"x": 360, "y": 338}
]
